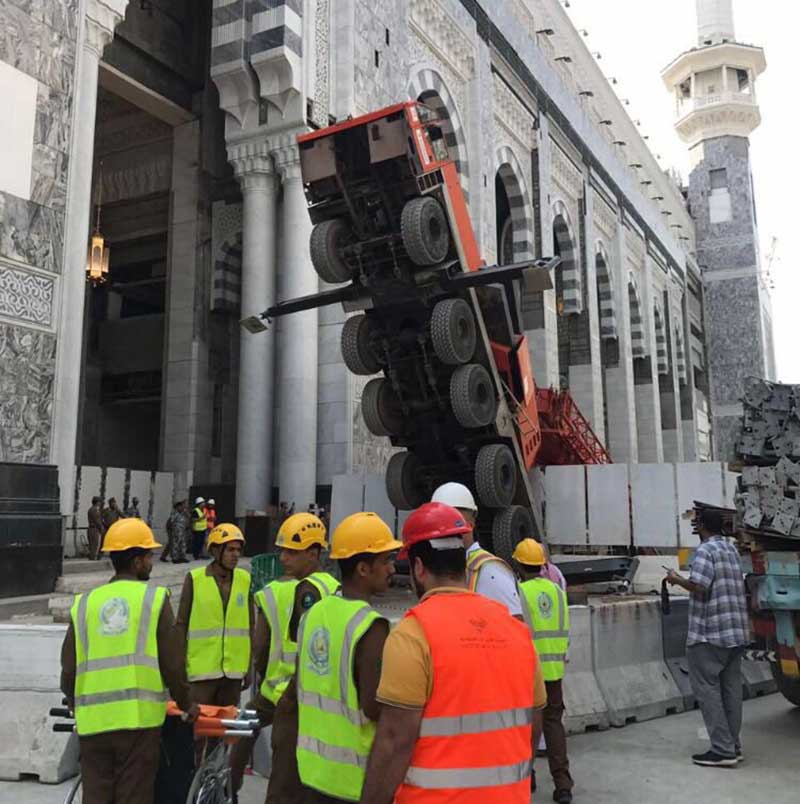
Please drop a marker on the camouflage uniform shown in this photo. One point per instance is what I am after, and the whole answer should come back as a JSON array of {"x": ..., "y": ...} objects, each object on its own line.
[{"x": 178, "y": 528}]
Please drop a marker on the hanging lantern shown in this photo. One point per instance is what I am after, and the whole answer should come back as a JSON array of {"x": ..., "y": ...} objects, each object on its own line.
[{"x": 99, "y": 254}]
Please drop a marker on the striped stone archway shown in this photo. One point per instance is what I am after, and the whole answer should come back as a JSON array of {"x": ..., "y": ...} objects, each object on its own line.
[
  {"x": 680, "y": 356},
  {"x": 428, "y": 86},
  {"x": 605, "y": 291},
  {"x": 638, "y": 341},
  {"x": 570, "y": 269},
  {"x": 226, "y": 295},
  {"x": 662, "y": 356},
  {"x": 512, "y": 176}
]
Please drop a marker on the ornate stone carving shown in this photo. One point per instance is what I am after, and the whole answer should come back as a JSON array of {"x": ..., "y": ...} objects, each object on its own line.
[
  {"x": 322, "y": 53},
  {"x": 26, "y": 296},
  {"x": 287, "y": 157},
  {"x": 251, "y": 157},
  {"x": 512, "y": 115},
  {"x": 27, "y": 369},
  {"x": 605, "y": 219},
  {"x": 30, "y": 233},
  {"x": 137, "y": 173},
  {"x": 442, "y": 34},
  {"x": 566, "y": 174}
]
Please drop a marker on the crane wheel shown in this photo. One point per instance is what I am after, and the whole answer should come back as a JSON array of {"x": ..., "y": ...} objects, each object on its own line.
[
  {"x": 453, "y": 332},
  {"x": 424, "y": 229},
  {"x": 381, "y": 409},
  {"x": 509, "y": 528},
  {"x": 402, "y": 482},
  {"x": 356, "y": 350},
  {"x": 327, "y": 239},
  {"x": 495, "y": 476},
  {"x": 472, "y": 396},
  {"x": 787, "y": 686}
]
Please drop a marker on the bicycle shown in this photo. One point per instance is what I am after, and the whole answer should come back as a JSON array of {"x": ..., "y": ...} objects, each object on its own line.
[{"x": 211, "y": 782}]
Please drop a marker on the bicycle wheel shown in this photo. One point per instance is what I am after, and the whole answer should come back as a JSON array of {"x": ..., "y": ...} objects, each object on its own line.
[{"x": 75, "y": 795}]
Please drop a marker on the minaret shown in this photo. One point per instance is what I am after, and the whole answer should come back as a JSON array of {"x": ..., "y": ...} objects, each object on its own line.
[{"x": 714, "y": 86}]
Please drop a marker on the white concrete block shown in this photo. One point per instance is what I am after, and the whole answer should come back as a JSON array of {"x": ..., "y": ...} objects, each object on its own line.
[
  {"x": 30, "y": 668},
  {"x": 565, "y": 495},
  {"x": 115, "y": 485},
  {"x": 609, "y": 522},
  {"x": 162, "y": 503}
]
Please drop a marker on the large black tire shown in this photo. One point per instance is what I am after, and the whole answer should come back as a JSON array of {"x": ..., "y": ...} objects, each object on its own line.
[
  {"x": 453, "y": 332},
  {"x": 423, "y": 226},
  {"x": 495, "y": 476},
  {"x": 788, "y": 687},
  {"x": 381, "y": 408},
  {"x": 473, "y": 396},
  {"x": 327, "y": 239},
  {"x": 509, "y": 528},
  {"x": 402, "y": 482},
  {"x": 356, "y": 351}
]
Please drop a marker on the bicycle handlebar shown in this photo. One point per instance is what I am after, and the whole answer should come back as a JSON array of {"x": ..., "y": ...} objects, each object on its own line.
[
  {"x": 60, "y": 712},
  {"x": 64, "y": 727}
]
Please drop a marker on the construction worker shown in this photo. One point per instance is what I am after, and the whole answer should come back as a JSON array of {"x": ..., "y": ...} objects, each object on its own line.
[
  {"x": 546, "y": 613},
  {"x": 279, "y": 606},
  {"x": 215, "y": 614},
  {"x": 199, "y": 527},
  {"x": 466, "y": 737},
  {"x": 487, "y": 574},
  {"x": 118, "y": 656},
  {"x": 211, "y": 514},
  {"x": 331, "y": 701}
]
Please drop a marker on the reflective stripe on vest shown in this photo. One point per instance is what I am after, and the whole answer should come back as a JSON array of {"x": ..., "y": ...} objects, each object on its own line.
[
  {"x": 324, "y": 583},
  {"x": 334, "y": 736},
  {"x": 476, "y": 561},
  {"x": 276, "y": 601},
  {"x": 118, "y": 682},
  {"x": 218, "y": 639},
  {"x": 474, "y": 744},
  {"x": 200, "y": 523},
  {"x": 546, "y": 612}
]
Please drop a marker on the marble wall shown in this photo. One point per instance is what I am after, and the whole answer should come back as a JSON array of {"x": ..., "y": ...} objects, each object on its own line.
[{"x": 38, "y": 40}]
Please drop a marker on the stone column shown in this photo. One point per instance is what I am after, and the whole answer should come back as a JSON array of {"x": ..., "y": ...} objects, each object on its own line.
[
  {"x": 542, "y": 327},
  {"x": 254, "y": 444},
  {"x": 99, "y": 22},
  {"x": 622, "y": 442},
  {"x": 648, "y": 401},
  {"x": 297, "y": 339}
]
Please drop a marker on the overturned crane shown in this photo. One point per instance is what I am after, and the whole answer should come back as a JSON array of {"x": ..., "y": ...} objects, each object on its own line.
[{"x": 392, "y": 230}]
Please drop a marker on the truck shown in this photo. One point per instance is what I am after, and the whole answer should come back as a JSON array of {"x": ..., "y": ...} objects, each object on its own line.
[{"x": 438, "y": 331}]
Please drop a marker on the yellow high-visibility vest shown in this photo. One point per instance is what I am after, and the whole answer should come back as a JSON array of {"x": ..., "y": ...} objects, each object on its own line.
[
  {"x": 546, "y": 612},
  {"x": 200, "y": 523},
  {"x": 118, "y": 685},
  {"x": 218, "y": 640},
  {"x": 334, "y": 736}
]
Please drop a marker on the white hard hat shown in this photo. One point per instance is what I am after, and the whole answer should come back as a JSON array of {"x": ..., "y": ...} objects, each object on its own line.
[
  {"x": 199, "y": 500},
  {"x": 211, "y": 502},
  {"x": 456, "y": 495}
]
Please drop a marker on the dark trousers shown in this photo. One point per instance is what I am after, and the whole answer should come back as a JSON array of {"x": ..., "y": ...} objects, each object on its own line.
[
  {"x": 242, "y": 748},
  {"x": 716, "y": 677},
  {"x": 93, "y": 536},
  {"x": 555, "y": 736},
  {"x": 198, "y": 542},
  {"x": 120, "y": 767}
]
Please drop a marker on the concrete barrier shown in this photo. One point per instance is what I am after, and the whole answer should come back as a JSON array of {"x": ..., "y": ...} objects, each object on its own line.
[
  {"x": 674, "y": 627},
  {"x": 629, "y": 664},
  {"x": 30, "y": 670},
  {"x": 757, "y": 679},
  {"x": 585, "y": 707}
]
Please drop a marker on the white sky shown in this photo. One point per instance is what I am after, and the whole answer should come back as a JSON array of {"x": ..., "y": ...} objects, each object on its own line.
[{"x": 638, "y": 39}]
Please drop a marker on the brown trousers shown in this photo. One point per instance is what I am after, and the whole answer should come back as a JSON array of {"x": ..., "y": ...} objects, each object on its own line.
[
  {"x": 285, "y": 786},
  {"x": 215, "y": 692},
  {"x": 555, "y": 736},
  {"x": 120, "y": 767},
  {"x": 243, "y": 748},
  {"x": 95, "y": 542}
]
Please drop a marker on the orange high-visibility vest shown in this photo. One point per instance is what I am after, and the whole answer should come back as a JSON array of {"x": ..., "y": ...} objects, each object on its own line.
[{"x": 474, "y": 745}]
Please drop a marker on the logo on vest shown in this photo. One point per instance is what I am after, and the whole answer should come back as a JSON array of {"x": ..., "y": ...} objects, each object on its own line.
[
  {"x": 545, "y": 605},
  {"x": 114, "y": 617},
  {"x": 319, "y": 650},
  {"x": 240, "y": 600}
]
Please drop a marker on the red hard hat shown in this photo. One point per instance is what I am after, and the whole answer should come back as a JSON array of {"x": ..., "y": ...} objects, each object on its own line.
[{"x": 432, "y": 521}]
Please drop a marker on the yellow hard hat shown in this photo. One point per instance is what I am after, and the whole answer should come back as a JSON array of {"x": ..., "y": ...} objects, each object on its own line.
[
  {"x": 363, "y": 532},
  {"x": 224, "y": 533},
  {"x": 530, "y": 552},
  {"x": 301, "y": 531},
  {"x": 127, "y": 533}
]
